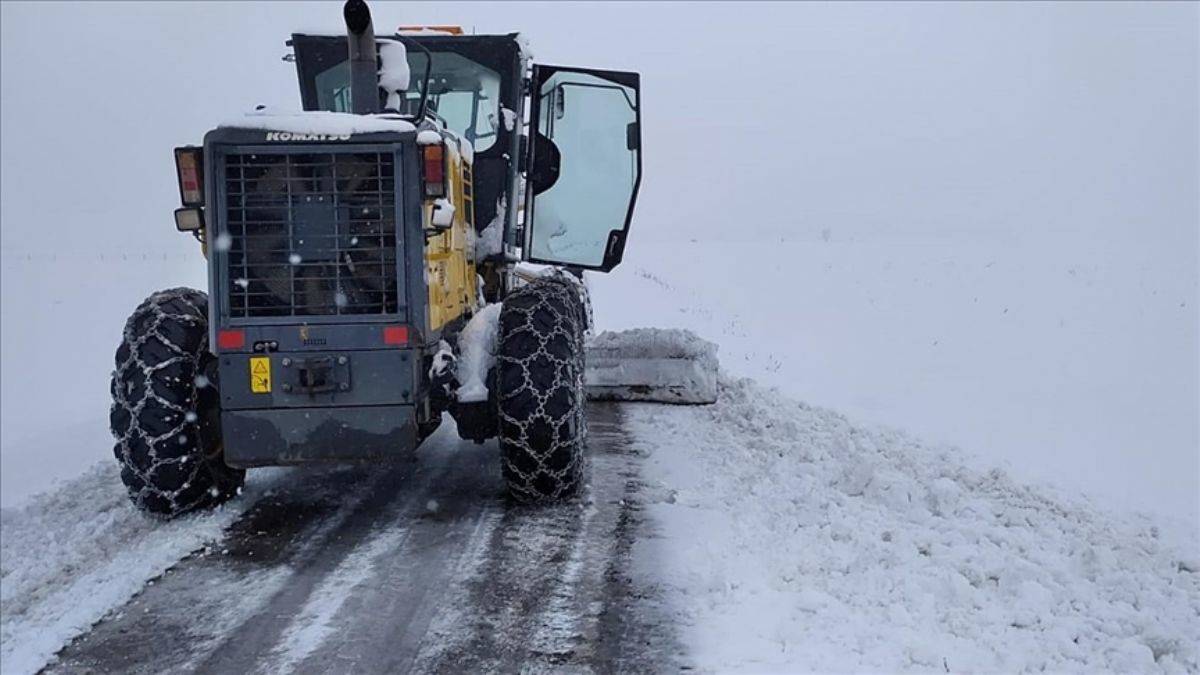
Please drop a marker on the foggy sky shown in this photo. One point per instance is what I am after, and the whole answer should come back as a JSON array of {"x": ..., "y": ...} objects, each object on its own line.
[{"x": 1006, "y": 120}]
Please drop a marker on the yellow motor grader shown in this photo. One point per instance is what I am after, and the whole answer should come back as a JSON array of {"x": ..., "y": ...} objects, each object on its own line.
[{"x": 409, "y": 244}]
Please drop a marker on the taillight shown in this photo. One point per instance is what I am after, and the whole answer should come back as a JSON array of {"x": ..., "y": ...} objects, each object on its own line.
[
  {"x": 435, "y": 169},
  {"x": 189, "y": 165},
  {"x": 395, "y": 335},
  {"x": 231, "y": 339}
]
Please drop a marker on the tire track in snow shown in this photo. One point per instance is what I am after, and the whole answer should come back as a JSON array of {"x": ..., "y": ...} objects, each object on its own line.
[
  {"x": 553, "y": 590},
  {"x": 93, "y": 553},
  {"x": 395, "y": 496},
  {"x": 424, "y": 568},
  {"x": 313, "y": 624},
  {"x": 207, "y": 595}
]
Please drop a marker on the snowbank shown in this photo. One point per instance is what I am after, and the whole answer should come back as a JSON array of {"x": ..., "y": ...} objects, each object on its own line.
[
  {"x": 793, "y": 540},
  {"x": 70, "y": 555}
]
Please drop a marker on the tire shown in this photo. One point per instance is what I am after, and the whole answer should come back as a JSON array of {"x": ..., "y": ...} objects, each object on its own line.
[
  {"x": 539, "y": 375},
  {"x": 165, "y": 413}
]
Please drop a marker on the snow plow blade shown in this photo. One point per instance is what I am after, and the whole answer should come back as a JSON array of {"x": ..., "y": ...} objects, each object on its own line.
[{"x": 650, "y": 364}]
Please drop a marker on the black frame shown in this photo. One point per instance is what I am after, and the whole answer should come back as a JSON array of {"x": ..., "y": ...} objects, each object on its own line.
[
  {"x": 221, "y": 258},
  {"x": 409, "y": 238},
  {"x": 614, "y": 248}
]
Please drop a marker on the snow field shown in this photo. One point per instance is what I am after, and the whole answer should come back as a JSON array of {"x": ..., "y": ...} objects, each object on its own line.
[
  {"x": 1065, "y": 361},
  {"x": 793, "y": 540}
]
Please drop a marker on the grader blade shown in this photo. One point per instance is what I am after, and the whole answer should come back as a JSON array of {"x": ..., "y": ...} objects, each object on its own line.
[{"x": 651, "y": 364}]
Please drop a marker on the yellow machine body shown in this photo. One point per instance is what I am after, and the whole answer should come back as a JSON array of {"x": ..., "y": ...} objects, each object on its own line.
[{"x": 449, "y": 253}]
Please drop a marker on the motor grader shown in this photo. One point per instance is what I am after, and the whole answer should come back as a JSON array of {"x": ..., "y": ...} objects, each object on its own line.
[{"x": 408, "y": 245}]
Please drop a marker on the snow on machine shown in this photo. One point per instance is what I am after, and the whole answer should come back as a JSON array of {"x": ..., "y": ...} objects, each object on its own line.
[{"x": 368, "y": 268}]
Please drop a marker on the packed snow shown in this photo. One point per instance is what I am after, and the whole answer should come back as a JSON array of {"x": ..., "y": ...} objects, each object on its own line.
[
  {"x": 71, "y": 554},
  {"x": 393, "y": 71},
  {"x": 477, "y": 353},
  {"x": 319, "y": 122},
  {"x": 466, "y": 149},
  {"x": 442, "y": 360},
  {"x": 428, "y": 137},
  {"x": 443, "y": 212},
  {"x": 490, "y": 241},
  {"x": 793, "y": 540},
  {"x": 510, "y": 118}
]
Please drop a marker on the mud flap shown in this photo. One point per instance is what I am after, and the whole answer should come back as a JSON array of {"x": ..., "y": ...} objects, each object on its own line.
[{"x": 276, "y": 437}]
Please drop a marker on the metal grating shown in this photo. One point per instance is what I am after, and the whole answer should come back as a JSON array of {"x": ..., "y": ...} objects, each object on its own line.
[{"x": 311, "y": 234}]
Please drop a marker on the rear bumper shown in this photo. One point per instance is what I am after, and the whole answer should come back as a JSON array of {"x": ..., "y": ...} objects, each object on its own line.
[{"x": 299, "y": 435}]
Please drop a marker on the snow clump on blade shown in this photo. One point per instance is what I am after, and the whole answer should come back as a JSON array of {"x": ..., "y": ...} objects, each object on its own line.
[{"x": 655, "y": 343}]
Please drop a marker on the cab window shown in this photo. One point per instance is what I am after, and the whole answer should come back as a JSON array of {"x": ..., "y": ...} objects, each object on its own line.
[{"x": 462, "y": 93}]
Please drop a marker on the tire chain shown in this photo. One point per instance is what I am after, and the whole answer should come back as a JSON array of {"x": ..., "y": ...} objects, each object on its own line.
[
  {"x": 537, "y": 470},
  {"x": 172, "y": 452}
]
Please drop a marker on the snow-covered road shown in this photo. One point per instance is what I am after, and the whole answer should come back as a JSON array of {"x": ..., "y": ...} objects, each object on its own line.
[{"x": 420, "y": 566}]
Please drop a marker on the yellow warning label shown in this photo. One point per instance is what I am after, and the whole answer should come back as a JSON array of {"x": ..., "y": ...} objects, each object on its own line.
[{"x": 260, "y": 374}]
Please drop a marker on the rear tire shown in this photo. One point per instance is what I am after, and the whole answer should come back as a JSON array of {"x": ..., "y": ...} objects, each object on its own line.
[
  {"x": 165, "y": 414},
  {"x": 539, "y": 368}
]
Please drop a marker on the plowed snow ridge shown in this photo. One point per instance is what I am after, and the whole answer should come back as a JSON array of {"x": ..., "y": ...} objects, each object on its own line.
[{"x": 795, "y": 541}]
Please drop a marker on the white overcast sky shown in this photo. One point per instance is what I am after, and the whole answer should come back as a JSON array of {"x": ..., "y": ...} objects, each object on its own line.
[{"x": 1008, "y": 120}]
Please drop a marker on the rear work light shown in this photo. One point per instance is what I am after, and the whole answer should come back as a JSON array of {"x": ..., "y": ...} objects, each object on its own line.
[
  {"x": 189, "y": 165},
  {"x": 434, "y": 163},
  {"x": 189, "y": 219}
]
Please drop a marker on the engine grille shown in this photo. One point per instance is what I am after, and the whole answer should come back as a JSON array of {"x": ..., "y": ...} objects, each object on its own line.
[{"x": 311, "y": 233}]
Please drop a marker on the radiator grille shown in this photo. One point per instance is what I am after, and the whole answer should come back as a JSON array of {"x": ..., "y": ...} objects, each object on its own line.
[{"x": 311, "y": 234}]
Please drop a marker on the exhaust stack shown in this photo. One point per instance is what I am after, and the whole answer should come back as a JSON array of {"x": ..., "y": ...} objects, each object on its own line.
[{"x": 364, "y": 66}]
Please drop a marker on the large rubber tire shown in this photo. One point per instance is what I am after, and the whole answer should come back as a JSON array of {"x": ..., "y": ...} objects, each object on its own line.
[
  {"x": 539, "y": 372},
  {"x": 165, "y": 413}
]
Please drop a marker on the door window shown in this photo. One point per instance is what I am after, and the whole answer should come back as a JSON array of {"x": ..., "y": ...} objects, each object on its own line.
[{"x": 582, "y": 205}]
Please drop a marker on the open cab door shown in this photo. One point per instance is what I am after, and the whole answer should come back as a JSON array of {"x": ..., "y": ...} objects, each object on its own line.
[{"x": 584, "y": 166}]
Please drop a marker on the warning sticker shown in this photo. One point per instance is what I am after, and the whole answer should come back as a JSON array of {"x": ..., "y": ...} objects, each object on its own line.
[{"x": 260, "y": 374}]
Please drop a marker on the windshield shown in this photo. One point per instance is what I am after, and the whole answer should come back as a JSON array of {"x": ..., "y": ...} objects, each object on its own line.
[{"x": 462, "y": 93}]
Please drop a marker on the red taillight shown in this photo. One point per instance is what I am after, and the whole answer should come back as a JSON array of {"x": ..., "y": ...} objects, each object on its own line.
[
  {"x": 435, "y": 169},
  {"x": 395, "y": 335},
  {"x": 189, "y": 165},
  {"x": 231, "y": 339}
]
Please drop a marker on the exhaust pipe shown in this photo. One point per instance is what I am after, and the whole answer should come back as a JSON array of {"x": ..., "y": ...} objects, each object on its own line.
[{"x": 364, "y": 65}]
